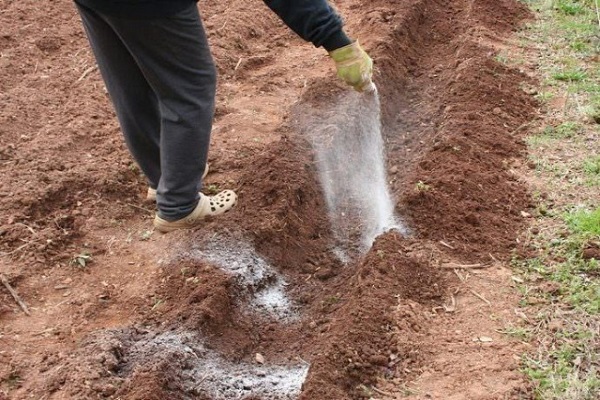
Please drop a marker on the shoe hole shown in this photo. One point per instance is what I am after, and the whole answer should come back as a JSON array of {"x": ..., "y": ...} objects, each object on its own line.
[{"x": 213, "y": 209}]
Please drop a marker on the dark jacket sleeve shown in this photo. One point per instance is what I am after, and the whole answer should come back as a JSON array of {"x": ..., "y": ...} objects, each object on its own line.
[{"x": 313, "y": 20}]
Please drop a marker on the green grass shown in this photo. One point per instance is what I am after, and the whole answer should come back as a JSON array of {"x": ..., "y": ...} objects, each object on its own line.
[
  {"x": 544, "y": 96},
  {"x": 561, "y": 288},
  {"x": 585, "y": 222},
  {"x": 564, "y": 130},
  {"x": 574, "y": 75},
  {"x": 571, "y": 7},
  {"x": 591, "y": 166},
  {"x": 517, "y": 332},
  {"x": 551, "y": 134},
  {"x": 564, "y": 368}
]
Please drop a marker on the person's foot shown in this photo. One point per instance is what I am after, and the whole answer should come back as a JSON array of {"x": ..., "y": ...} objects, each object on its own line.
[
  {"x": 208, "y": 206},
  {"x": 151, "y": 195}
]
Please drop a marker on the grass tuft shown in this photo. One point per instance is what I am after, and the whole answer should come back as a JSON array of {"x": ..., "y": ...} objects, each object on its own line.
[
  {"x": 574, "y": 75},
  {"x": 585, "y": 222}
]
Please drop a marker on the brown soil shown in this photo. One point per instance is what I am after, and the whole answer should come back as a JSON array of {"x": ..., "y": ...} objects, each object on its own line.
[{"x": 395, "y": 323}]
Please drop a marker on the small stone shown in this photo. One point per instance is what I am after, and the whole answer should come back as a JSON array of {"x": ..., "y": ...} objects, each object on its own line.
[
  {"x": 394, "y": 170},
  {"x": 259, "y": 358},
  {"x": 497, "y": 111},
  {"x": 525, "y": 214}
]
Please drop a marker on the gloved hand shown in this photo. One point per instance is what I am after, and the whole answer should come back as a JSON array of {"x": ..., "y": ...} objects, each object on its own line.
[{"x": 354, "y": 66}]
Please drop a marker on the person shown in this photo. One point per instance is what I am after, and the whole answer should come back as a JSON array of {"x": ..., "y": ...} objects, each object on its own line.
[{"x": 155, "y": 61}]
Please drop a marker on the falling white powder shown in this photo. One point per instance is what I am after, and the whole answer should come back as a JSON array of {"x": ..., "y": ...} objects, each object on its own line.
[{"x": 350, "y": 158}]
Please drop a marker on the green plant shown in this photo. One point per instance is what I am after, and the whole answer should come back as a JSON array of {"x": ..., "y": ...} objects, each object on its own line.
[
  {"x": 82, "y": 260},
  {"x": 591, "y": 166},
  {"x": 518, "y": 332},
  {"x": 570, "y": 7},
  {"x": 13, "y": 380},
  {"x": 211, "y": 189},
  {"x": 421, "y": 186},
  {"x": 544, "y": 96},
  {"x": 574, "y": 75},
  {"x": 579, "y": 46},
  {"x": 566, "y": 129},
  {"x": 584, "y": 221},
  {"x": 146, "y": 235}
]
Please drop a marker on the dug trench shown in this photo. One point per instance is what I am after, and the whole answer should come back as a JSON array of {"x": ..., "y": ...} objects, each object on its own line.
[{"x": 255, "y": 305}]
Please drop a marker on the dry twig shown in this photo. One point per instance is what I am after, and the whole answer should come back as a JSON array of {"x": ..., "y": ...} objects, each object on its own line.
[
  {"x": 86, "y": 73},
  {"x": 463, "y": 279},
  {"x": 446, "y": 245},
  {"x": 381, "y": 392},
  {"x": 14, "y": 294},
  {"x": 480, "y": 297},
  {"x": 140, "y": 208},
  {"x": 465, "y": 266},
  {"x": 21, "y": 247},
  {"x": 238, "y": 64}
]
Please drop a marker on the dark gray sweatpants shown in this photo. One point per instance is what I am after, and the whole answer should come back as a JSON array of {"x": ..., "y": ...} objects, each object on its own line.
[{"x": 161, "y": 78}]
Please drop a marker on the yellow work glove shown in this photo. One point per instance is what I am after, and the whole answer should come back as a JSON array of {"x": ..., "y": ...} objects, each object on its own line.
[{"x": 354, "y": 66}]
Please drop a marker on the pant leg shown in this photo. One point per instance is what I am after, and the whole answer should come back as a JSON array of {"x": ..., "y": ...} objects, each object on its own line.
[
  {"x": 134, "y": 100},
  {"x": 175, "y": 59}
]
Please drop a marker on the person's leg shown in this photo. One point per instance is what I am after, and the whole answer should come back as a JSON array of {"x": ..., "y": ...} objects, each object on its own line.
[
  {"x": 134, "y": 100},
  {"x": 174, "y": 56}
]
